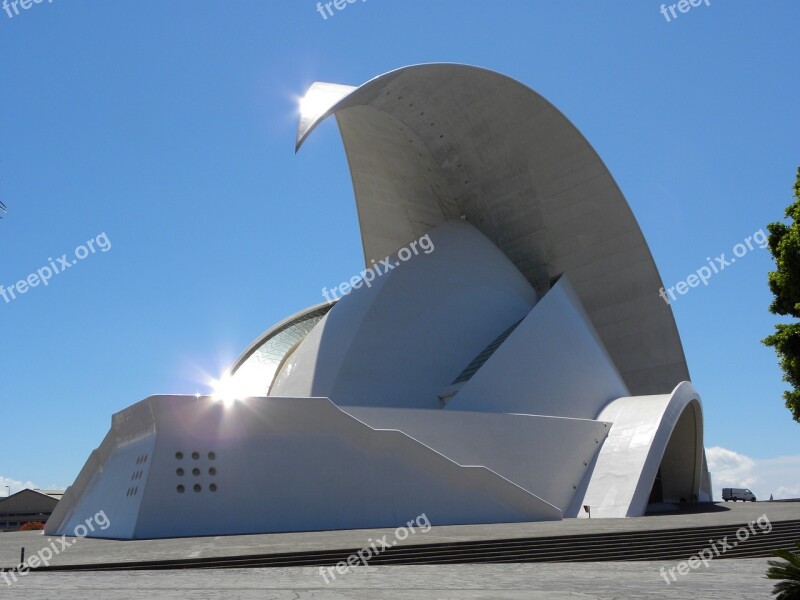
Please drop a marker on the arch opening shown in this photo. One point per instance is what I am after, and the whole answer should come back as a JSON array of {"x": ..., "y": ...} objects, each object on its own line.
[{"x": 678, "y": 476}]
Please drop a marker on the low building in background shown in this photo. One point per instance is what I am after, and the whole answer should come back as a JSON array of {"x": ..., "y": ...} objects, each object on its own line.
[{"x": 27, "y": 506}]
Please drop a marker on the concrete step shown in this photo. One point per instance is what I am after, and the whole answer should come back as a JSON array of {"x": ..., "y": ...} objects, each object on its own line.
[{"x": 667, "y": 545}]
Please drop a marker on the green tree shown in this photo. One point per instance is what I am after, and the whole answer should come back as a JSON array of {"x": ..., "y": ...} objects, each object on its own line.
[
  {"x": 787, "y": 573},
  {"x": 784, "y": 243}
]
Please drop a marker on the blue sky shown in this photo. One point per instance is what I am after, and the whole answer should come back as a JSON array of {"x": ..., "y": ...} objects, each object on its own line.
[{"x": 170, "y": 126}]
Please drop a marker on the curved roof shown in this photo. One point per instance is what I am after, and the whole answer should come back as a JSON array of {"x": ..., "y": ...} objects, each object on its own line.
[
  {"x": 260, "y": 361},
  {"x": 434, "y": 142}
]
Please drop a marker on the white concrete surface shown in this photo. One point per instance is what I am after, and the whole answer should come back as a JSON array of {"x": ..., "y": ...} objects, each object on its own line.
[
  {"x": 270, "y": 465},
  {"x": 403, "y": 340},
  {"x": 637, "y": 444},
  {"x": 522, "y": 448},
  {"x": 428, "y": 143},
  {"x": 509, "y": 199},
  {"x": 553, "y": 363}
]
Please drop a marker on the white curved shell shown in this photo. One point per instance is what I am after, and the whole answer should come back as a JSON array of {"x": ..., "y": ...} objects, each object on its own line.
[{"x": 434, "y": 142}]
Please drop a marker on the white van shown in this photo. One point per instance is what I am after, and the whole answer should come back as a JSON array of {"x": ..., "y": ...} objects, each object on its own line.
[{"x": 735, "y": 494}]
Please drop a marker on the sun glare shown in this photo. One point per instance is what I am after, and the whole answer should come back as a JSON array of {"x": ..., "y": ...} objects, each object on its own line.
[
  {"x": 226, "y": 390},
  {"x": 232, "y": 388},
  {"x": 314, "y": 103}
]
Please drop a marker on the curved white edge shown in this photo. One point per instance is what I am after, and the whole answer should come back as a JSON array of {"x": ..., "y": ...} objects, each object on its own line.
[
  {"x": 257, "y": 343},
  {"x": 706, "y": 488},
  {"x": 611, "y": 278},
  {"x": 319, "y": 100},
  {"x": 622, "y": 477},
  {"x": 402, "y": 339},
  {"x": 352, "y": 95}
]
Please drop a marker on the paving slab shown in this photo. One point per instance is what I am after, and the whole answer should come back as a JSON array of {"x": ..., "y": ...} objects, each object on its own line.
[
  {"x": 93, "y": 551},
  {"x": 723, "y": 579}
]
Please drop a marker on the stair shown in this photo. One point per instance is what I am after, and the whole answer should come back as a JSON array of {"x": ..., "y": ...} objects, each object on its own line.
[{"x": 667, "y": 545}]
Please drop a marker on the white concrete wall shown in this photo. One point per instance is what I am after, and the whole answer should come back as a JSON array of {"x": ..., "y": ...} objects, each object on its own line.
[
  {"x": 402, "y": 341},
  {"x": 479, "y": 144},
  {"x": 113, "y": 479},
  {"x": 552, "y": 364},
  {"x": 622, "y": 477},
  {"x": 548, "y": 456},
  {"x": 285, "y": 464}
]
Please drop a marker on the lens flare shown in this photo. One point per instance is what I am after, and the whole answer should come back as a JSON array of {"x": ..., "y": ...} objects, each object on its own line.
[{"x": 232, "y": 388}]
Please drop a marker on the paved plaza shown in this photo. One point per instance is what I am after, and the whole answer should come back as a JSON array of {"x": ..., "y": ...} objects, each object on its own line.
[{"x": 737, "y": 578}]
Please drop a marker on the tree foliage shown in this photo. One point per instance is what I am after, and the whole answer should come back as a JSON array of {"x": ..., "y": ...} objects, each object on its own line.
[
  {"x": 784, "y": 282},
  {"x": 787, "y": 573}
]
